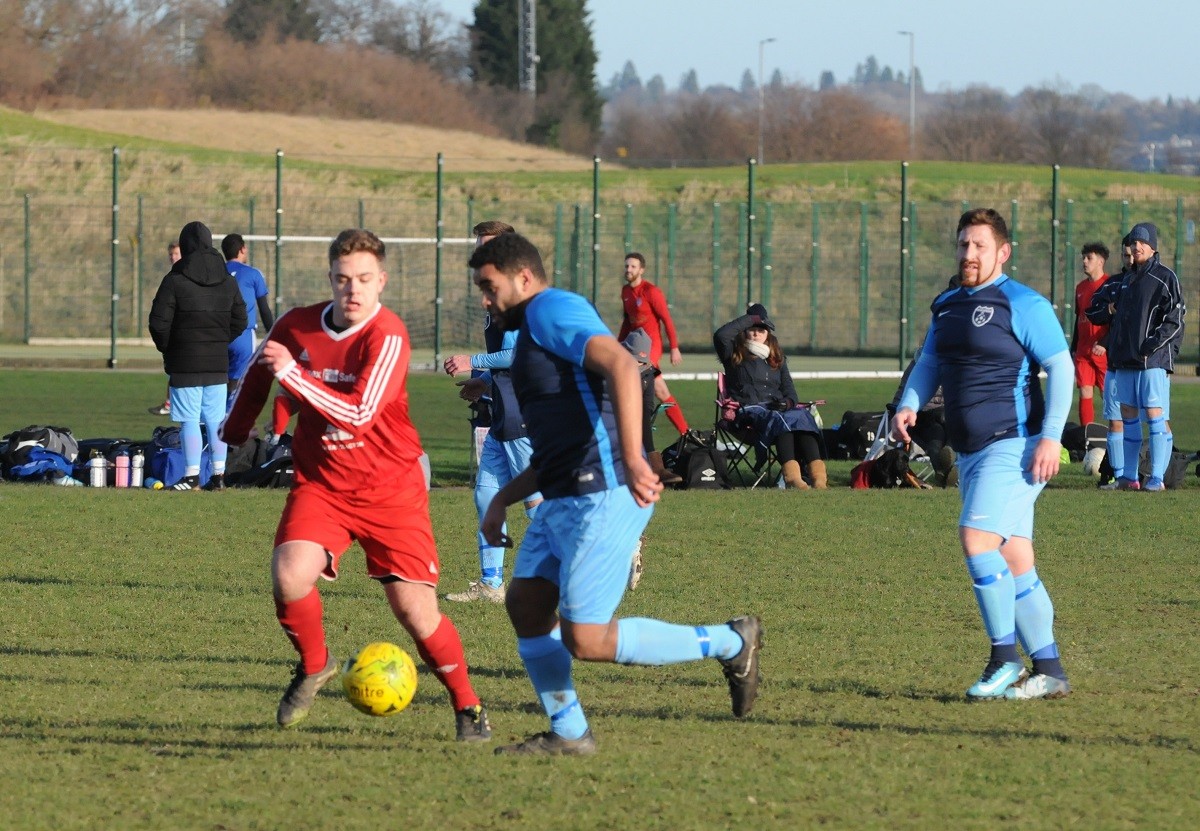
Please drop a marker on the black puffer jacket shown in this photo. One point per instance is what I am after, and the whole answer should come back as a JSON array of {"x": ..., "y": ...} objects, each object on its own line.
[{"x": 197, "y": 311}]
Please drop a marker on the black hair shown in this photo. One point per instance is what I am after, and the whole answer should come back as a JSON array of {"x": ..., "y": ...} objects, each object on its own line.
[{"x": 509, "y": 253}]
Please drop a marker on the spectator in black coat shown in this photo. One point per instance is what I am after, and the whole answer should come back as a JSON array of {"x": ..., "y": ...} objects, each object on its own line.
[{"x": 197, "y": 311}]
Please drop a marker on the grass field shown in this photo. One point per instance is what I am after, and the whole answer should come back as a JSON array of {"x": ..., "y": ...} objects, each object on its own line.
[{"x": 142, "y": 663}]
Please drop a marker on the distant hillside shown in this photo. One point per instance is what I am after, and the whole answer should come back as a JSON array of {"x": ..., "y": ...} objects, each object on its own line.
[{"x": 375, "y": 144}]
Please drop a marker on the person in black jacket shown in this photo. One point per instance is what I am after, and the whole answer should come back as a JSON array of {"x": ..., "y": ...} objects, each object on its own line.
[
  {"x": 197, "y": 311},
  {"x": 757, "y": 378}
]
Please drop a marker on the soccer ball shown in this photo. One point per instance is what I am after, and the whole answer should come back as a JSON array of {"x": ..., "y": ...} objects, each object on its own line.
[
  {"x": 380, "y": 680},
  {"x": 1092, "y": 460}
]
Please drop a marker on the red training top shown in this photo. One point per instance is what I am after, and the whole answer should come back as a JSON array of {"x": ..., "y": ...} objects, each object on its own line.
[
  {"x": 646, "y": 308},
  {"x": 1087, "y": 334}
]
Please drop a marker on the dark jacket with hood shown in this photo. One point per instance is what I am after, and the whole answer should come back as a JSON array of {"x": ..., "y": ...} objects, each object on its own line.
[
  {"x": 1146, "y": 329},
  {"x": 197, "y": 311}
]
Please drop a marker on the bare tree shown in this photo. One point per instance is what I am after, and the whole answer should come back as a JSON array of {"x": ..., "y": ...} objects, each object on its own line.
[{"x": 974, "y": 126}]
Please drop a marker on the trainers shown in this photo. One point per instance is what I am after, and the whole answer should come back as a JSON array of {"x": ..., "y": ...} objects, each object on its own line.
[
  {"x": 187, "y": 483},
  {"x": 301, "y": 693},
  {"x": 471, "y": 724},
  {"x": 551, "y": 744},
  {"x": 1110, "y": 485},
  {"x": 479, "y": 590},
  {"x": 1154, "y": 484},
  {"x": 216, "y": 482},
  {"x": 1128, "y": 485},
  {"x": 635, "y": 567},
  {"x": 160, "y": 409},
  {"x": 997, "y": 677},
  {"x": 1038, "y": 686},
  {"x": 742, "y": 669}
]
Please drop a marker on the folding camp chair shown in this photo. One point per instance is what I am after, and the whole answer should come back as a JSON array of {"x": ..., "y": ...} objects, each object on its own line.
[
  {"x": 748, "y": 462},
  {"x": 918, "y": 460}
]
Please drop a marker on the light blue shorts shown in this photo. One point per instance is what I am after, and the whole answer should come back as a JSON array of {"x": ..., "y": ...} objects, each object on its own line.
[
  {"x": 1112, "y": 404},
  {"x": 197, "y": 404},
  {"x": 502, "y": 461},
  {"x": 998, "y": 491},
  {"x": 584, "y": 545},
  {"x": 1144, "y": 388}
]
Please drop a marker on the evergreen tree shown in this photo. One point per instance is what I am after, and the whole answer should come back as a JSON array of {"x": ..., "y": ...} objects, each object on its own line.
[
  {"x": 749, "y": 87},
  {"x": 656, "y": 88},
  {"x": 827, "y": 81},
  {"x": 776, "y": 81},
  {"x": 566, "y": 65},
  {"x": 248, "y": 20},
  {"x": 690, "y": 83}
]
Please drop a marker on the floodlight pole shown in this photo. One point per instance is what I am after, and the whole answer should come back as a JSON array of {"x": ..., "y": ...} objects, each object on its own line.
[
  {"x": 912, "y": 94},
  {"x": 761, "y": 99}
]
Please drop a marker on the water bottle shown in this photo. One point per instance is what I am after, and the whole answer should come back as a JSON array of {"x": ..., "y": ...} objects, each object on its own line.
[
  {"x": 97, "y": 470},
  {"x": 137, "y": 468},
  {"x": 121, "y": 480}
]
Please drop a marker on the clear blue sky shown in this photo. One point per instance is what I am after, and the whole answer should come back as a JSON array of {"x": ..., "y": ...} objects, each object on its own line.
[{"x": 1010, "y": 44}]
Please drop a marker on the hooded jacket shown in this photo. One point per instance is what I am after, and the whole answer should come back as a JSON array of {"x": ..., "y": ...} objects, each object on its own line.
[
  {"x": 197, "y": 311},
  {"x": 1146, "y": 328}
]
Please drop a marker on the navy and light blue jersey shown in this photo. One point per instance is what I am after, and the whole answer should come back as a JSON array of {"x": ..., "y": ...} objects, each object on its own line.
[
  {"x": 507, "y": 423},
  {"x": 567, "y": 409},
  {"x": 985, "y": 347},
  {"x": 252, "y": 285}
]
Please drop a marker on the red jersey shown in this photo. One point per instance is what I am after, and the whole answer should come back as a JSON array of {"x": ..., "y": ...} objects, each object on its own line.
[
  {"x": 646, "y": 308},
  {"x": 1087, "y": 334},
  {"x": 353, "y": 432}
]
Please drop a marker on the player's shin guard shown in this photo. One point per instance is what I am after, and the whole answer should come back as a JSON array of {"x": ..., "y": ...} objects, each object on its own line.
[
  {"x": 1132, "y": 439},
  {"x": 649, "y": 642},
  {"x": 443, "y": 653},
  {"x": 996, "y": 594},
  {"x": 1160, "y": 447},
  {"x": 675, "y": 414},
  {"x": 1035, "y": 624},
  {"x": 548, "y": 664},
  {"x": 301, "y": 622}
]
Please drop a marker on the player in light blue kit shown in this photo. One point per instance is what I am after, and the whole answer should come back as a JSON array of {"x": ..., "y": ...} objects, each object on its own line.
[
  {"x": 506, "y": 450},
  {"x": 986, "y": 342},
  {"x": 253, "y": 287},
  {"x": 581, "y": 396}
]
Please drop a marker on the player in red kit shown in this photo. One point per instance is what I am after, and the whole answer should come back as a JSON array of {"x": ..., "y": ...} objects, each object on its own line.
[
  {"x": 646, "y": 309},
  {"x": 357, "y": 476},
  {"x": 1087, "y": 342}
]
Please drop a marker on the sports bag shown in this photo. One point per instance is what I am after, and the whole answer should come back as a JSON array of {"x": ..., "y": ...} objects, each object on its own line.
[{"x": 16, "y": 446}]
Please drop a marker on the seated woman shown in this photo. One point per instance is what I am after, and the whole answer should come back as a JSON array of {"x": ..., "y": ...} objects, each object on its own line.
[{"x": 757, "y": 378}]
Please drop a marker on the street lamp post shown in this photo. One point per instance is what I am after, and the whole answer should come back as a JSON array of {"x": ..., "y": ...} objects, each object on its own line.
[
  {"x": 912, "y": 94},
  {"x": 761, "y": 101}
]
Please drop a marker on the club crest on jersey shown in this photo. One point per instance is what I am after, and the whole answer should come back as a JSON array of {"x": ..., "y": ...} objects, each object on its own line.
[{"x": 982, "y": 315}]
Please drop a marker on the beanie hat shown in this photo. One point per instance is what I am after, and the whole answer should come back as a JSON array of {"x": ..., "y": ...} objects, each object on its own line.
[
  {"x": 1146, "y": 232},
  {"x": 638, "y": 344}
]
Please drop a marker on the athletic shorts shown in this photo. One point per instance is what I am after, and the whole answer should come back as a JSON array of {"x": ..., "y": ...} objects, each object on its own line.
[
  {"x": 241, "y": 349},
  {"x": 1144, "y": 388},
  {"x": 196, "y": 404},
  {"x": 1112, "y": 406},
  {"x": 502, "y": 461},
  {"x": 584, "y": 545},
  {"x": 391, "y": 523},
  {"x": 997, "y": 489},
  {"x": 1090, "y": 370}
]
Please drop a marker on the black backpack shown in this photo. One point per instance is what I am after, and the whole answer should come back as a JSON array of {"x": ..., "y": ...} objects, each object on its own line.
[
  {"x": 697, "y": 459},
  {"x": 855, "y": 435},
  {"x": 15, "y": 447}
]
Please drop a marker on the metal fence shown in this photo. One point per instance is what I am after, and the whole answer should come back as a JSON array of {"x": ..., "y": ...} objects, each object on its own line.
[{"x": 83, "y": 238}]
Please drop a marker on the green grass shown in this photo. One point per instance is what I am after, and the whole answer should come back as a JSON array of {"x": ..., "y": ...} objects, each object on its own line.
[{"x": 142, "y": 663}]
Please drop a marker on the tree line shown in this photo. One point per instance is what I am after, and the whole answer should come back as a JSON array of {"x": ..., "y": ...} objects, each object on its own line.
[{"x": 411, "y": 61}]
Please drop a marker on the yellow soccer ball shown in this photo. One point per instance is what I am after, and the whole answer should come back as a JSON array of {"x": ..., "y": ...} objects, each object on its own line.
[{"x": 380, "y": 680}]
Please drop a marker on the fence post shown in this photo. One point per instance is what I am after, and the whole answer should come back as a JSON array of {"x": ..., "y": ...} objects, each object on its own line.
[
  {"x": 628, "y": 227},
  {"x": 595, "y": 227},
  {"x": 813, "y": 290},
  {"x": 1069, "y": 257},
  {"x": 250, "y": 229},
  {"x": 910, "y": 281},
  {"x": 767, "y": 252},
  {"x": 139, "y": 241},
  {"x": 902, "y": 334},
  {"x": 1179, "y": 235},
  {"x": 1054, "y": 242},
  {"x": 362, "y": 214},
  {"x": 1124, "y": 218},
  {"x": 716, "y": 263},
  {"x": 278, "y": 231},
  {"x": 751, "y": 164},
  {"x": 742, "y": 277},
  {"x": 114, "y": 263},
  {"x": 558, "y": 246},
  {"x": 1014, "y": 231},
  {"x": 28, "y": 271},
  {"x": 672, "y": 221},
  {"x": 576, "y": 249},
  {"x": 864, "y": 271},
  {"x": 439, "y": 231}
]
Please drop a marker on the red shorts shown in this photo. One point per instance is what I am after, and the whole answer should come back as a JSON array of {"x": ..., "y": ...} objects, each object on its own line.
[
  {"x": 392, "y": 524},
  {"x": 1090, "y": 370}
]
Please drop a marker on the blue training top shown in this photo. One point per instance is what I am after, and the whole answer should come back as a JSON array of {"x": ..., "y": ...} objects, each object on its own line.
[
  {"x": 985, "y": 347},
  {"x": 252, "y": 284},
  {"x": 567, "y": 409}
]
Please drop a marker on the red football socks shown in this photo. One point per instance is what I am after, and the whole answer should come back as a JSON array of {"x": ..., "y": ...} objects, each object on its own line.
[
  {"x": 443, "y": 653},
  {"x": 301, "y": 622},
  {"x": 1087, "y": 411},
  {"x": 675, "y": 414}
]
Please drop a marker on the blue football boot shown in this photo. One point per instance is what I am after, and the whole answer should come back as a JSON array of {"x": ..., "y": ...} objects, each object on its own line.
[{"x": 997, "y": 677}]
